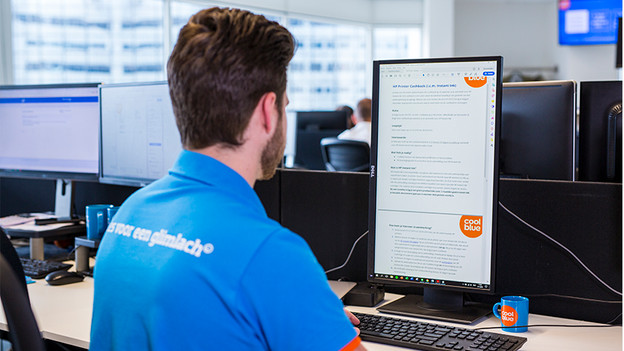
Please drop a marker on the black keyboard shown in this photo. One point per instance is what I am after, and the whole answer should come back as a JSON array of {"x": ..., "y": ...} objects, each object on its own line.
[
  {"x": 38, "y": 269},
  {"x": 431, "y": 336}
]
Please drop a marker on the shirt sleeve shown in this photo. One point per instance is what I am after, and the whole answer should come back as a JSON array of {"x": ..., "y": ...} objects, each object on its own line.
[{"x": 285, "y": 295}]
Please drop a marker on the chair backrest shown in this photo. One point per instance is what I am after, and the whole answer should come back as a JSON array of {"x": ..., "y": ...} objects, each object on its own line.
[
  {"x": 23, "y": 330},
  {"x": 8, "y": 251},
  {"x": 345, "y": 155}
]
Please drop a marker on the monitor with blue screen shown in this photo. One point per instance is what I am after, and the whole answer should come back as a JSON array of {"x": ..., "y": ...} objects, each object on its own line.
[
  {"x": 434, "y": 182},
  {"x": 589, "y": 22},
  {"x": 50, "y": 132}
]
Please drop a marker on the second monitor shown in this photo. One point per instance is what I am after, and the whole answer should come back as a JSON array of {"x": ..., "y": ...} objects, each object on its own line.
[
  {"x": 140, "y": 140},
  {"x": 538, "y": 130},
  {"x": 312, "y": 126}
]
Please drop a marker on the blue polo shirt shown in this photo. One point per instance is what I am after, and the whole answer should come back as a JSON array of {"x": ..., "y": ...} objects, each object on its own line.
[{"x": 192, "y": 262}]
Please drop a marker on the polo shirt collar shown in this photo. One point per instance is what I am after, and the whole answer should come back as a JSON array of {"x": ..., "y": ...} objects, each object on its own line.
[{"x": 207, "y": 170}]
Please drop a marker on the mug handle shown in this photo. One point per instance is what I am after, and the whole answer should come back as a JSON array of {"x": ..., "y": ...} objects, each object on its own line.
[
  {"x": 497, "y": 306},
  {"x": 100, "y": 221}
]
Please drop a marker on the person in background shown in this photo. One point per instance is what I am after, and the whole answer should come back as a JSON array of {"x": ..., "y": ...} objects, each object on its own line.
[
  {"x": 362, "y": 120},
  {"x": 349, "y": 112},
  {"x": 192, "y": 262}
]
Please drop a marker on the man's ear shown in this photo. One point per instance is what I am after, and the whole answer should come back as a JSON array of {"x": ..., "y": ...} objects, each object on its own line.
[
  {"x": 270, "y": 113},
  {"x": 354, "y": 119}
]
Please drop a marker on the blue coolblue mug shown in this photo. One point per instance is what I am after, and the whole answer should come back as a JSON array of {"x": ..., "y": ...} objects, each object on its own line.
[
  {"x": 97, "y": 221},
  {"x": 110, "y": 213},
  {"x": 513, "y": 311}
]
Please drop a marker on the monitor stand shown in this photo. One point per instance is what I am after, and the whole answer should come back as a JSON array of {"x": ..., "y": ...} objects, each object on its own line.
[
  {"x": 438, "y": 304},
  {"x": 64, "y": 199},
  {"x": 62, "y": 213}
]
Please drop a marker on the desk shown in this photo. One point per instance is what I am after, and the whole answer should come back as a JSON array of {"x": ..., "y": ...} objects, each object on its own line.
[
  {"x": 539, "y": 339},
  {"x": 64, "y": 314},
  {"x": 37, "y": 233}
]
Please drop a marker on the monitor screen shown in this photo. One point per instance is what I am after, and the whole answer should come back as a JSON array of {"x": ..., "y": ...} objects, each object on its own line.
[
  {"x": 434, "y": 178},
  {"x": 312, "y": 126},
  {"x": 50, "y": 131},
  {"x": 538, "y": 129},
  {"x": 321, "y": 120},
  {"x": 585, "y": 22},
  {"x": 140, "y": 139}
]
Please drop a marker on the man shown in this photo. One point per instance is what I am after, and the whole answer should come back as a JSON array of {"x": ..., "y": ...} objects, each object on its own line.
[
  {"x": 192, "y": 262},
  {"x": 349, "y": 111},
  {"x": 362, "y": 120}
]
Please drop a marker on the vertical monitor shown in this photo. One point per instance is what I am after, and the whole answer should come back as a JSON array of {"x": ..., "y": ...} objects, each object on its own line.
[
  {"x": 140, "y": 139},
  {"x": 434, "y": 182},
  {"x": 538, "y": 130},
  {"x": 50, "y": 131}
]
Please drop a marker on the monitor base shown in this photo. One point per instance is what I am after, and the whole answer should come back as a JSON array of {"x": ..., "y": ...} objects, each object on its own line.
[{"x": 415, "y": 306}]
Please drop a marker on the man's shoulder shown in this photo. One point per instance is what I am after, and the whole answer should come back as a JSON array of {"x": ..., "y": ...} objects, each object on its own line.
[{"x": 346, "y": 134}]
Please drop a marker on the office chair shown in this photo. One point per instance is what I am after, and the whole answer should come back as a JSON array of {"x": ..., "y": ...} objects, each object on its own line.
[
  {"x": 8, "y": 251},
  {"x": 23, "y": 330},
  {"x": 345, "y": 155}
]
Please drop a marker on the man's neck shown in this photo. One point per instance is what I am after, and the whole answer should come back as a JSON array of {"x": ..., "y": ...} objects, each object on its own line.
[{"x": 237, "y": 158}]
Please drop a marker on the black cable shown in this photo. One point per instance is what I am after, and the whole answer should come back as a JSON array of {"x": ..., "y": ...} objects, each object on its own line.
[
  {"x": 348, "y": 257},
  {"x": 561, "y": 246}
]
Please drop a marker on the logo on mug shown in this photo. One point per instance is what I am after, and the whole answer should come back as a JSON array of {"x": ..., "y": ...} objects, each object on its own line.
[{"x": 509, "y": 316}]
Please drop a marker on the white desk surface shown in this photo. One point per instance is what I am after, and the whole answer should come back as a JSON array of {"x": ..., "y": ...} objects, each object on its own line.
[
  {"x": 64, "y": 314},
  {"x": 539, "y": 338}
]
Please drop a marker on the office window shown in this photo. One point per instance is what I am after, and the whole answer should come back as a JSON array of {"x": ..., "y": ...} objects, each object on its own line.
[
  {"x": 180, "y": 14},
  {"x": 181, "y": 11},
  {"x": 87, "y": 40},
  {"x": 397, "y": 43},
  {"x": 114, "y": 41},
  {"x": 330, "y": 66}
]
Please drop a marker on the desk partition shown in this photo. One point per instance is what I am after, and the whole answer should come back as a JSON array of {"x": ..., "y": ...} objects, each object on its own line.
[
  {"x": 587, "y": 219},
  {"x": 329, "y": 210}
]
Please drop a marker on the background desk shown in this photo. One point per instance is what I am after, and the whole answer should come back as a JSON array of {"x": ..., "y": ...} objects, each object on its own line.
[
  {"x": 38, "y": 233},
  {"x": 64, "y": 314}
]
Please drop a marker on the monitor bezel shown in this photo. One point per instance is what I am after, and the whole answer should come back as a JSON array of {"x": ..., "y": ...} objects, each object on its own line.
[
  {"x": 373, "y": 176},
  {"x": 117, "y": 180},
  {"x": 52, "y": 175}
]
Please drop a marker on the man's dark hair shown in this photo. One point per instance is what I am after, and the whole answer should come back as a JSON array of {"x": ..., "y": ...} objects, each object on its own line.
[
  {"x": 364, "y": 108},
  {"x": 222, "y": 64}
]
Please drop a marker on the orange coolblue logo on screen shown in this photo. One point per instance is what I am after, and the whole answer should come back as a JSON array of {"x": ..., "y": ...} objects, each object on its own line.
[
  {"x": 476, "y": 82},
  {"x": 509, "y": 316},
  {"x": 471, "y": 226}
]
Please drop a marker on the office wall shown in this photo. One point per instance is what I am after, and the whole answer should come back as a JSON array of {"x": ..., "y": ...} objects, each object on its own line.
[
  {"x": 587, "y": 62},
  {"x": 526, "y": 34},
  {"x": 523, "y": 33},
  {"x": 439, "y": 28}
]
